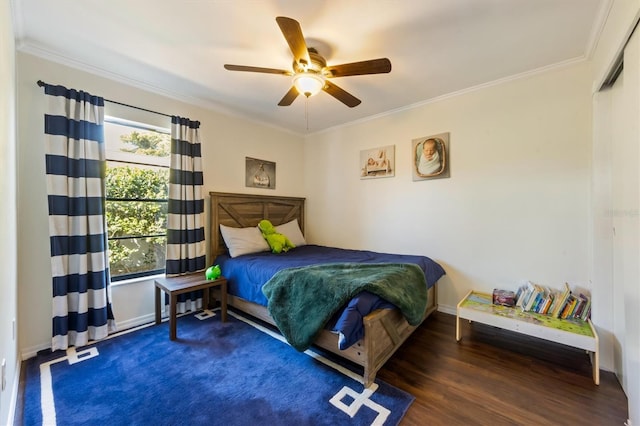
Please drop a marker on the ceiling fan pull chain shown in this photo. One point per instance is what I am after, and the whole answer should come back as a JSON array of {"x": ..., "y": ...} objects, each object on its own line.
[{"x": 306, "y": 111}]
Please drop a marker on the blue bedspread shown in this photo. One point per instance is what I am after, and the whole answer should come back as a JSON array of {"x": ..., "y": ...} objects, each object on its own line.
[{"x": 247, "y": 274}]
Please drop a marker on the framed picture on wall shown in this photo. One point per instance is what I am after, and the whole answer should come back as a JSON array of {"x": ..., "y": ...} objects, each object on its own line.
[
  {"x": 260, "y": 173},
  {"x": 430, "y": 157},
  {"x": 378, "y": 162}
]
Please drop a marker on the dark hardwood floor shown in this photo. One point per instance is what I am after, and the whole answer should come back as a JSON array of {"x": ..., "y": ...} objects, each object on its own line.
[{"x": 495, "y": 377}]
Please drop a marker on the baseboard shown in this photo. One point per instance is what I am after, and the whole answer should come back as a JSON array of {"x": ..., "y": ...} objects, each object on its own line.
[
  {"x": 27, "y": 353},
  {"x": 124, "y": 325},
  {"x": 135, "y": 322},
  {"x": 448, "y": 309}
]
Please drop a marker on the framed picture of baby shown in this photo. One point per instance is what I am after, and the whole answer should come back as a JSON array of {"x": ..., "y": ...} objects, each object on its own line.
[
  {"x": 430, "y": 157},
  {"x": 378, "y": 162}
]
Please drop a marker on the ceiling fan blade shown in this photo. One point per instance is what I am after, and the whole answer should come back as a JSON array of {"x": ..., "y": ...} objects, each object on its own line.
[
  {"x": 340, "y": 94},
  {"x": 373, "y": 66},
  {"x": 293, "y": 34},
  {"x": 256, "y": 69},
  {"x": 288, "y": 99}
]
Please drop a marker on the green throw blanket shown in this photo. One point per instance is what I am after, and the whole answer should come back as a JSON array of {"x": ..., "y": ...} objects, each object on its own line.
[{"x": 302, "y": 300}]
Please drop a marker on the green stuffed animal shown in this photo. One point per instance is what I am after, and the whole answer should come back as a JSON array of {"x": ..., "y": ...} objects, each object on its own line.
[
  {"x": 213, "y": 272},
  {"x": 278, "y": 242}
]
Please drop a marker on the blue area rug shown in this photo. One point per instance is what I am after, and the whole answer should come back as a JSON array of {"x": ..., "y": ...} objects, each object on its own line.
[{"x": 233, "y": 373}]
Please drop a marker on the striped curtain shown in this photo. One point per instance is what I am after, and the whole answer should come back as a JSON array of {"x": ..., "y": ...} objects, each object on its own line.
[
  {"x": 186, "y": 249},
  {"x": 75, "y": 167}
]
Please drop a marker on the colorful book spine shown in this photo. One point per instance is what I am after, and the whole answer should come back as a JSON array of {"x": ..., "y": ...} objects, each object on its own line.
[
  {"x": 562, "y": 302},
  {"x": 543, "y": 300},
  {"x": 586, "y": 313}
]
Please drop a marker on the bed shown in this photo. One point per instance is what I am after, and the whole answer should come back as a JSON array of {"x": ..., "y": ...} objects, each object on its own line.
[{"x": 384, "y": 329}]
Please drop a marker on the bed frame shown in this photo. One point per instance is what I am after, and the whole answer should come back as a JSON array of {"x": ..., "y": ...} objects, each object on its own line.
[{"x": 385, "y": 329}]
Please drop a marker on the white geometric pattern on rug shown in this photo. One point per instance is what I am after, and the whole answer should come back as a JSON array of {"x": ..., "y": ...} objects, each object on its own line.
[
  {"x": 205, "y": 314},
  {"x": 73, "y": 357},
  {"x": 46, "y": 383},
  {"x": 360, "y": 399}
]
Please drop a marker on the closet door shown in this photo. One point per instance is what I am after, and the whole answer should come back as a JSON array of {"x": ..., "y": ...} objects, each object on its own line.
[{"x": 625, "y": 197}]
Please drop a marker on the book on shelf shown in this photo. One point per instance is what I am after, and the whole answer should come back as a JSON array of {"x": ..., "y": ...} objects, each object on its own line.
[
  {"x": 556, "y": 295},
  {"x": 534, "y": 298},
  {"x": 520, "y": 295},
  {"x": 569, "y": 306},
  {"x": 543, "y": 300},
  {"x": 561, "y": 301},
  {"x": 586, "y": 313},
  {"x": 548, "y": 300},
  {"x": 582, "y": 303},
  {"x": 525, "y": 294}
]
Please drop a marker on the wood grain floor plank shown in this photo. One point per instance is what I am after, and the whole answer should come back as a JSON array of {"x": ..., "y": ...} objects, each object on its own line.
[{"x": 496, "y": 377}]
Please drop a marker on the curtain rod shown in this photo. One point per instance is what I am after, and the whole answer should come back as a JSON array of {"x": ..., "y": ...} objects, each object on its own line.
[{"x": 42, "y": 83}]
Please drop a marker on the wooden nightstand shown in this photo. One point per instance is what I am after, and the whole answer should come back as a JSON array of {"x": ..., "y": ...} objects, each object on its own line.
[{"x": 175, "y": 286}]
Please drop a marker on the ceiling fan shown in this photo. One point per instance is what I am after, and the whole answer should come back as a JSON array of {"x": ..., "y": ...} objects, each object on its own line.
[{"x": 311, "y": 73}]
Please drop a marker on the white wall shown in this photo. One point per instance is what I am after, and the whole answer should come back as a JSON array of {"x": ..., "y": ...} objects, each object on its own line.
[
  {"x": 516, "y": 204},
  {"x": 8, "y": 238},
  {"x": 226, "y": 141}
]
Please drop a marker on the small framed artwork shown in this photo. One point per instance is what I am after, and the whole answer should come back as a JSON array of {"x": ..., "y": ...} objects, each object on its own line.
[
  {"x": 430, "y": 157},
  {"x": 260, "y": 173},
  {"x": 378, "y": 162}
]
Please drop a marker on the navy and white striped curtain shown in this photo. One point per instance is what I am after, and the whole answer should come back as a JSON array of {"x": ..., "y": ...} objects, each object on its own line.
[
  {"x": 75, "y": 167},
  {"x": 186, "y": 248}
]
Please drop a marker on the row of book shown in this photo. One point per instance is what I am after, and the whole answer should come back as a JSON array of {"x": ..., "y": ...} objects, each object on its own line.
[{"x": 563, "y": 303}]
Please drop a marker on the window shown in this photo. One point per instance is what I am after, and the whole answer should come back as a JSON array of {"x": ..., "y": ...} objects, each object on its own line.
[{"x": 137, "y": 184}]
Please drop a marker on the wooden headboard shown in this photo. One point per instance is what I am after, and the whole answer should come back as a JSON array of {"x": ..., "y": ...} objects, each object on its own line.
[{"x": 243, "y": 210}]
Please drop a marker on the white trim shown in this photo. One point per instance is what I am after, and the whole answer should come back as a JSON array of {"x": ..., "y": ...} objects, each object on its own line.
[
  {"x": 136, "y": 124},
  {"x": 451, "y": 310},
  {"x": 133, "y": 323},
  {"x": 38, "y": 51},
  {"x": 32, "y": 351},
  {"x": 599, "y": 83},
  {"x": 136, "y": 280},
  {"x": 526, "y": 74},
  {"x": 13, "y": 401},
  {"x": 598, "y": 28},
  {"x": 29, "y": 48},
  {"x": 18, "y": 25}
]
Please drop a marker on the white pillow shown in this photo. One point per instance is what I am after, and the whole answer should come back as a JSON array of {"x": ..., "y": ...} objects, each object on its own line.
[
  {"x": 241, "y": 241},
  {"x": 292, "y": 231}
]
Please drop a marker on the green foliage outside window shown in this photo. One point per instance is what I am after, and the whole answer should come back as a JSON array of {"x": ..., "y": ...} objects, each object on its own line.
[
  {"x": 155, "y": 144},
  {"x": 136, "y": 208}
]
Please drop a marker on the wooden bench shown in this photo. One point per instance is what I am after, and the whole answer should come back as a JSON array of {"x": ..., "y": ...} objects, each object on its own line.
[
  {"x": 174, "y": 286},
  {"x": 478, "y": 306}
]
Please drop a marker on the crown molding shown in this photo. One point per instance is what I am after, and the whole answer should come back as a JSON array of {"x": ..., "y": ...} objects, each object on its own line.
[
  {"x": 46, "y": 54},
  {"x": 500, "y": 81}
]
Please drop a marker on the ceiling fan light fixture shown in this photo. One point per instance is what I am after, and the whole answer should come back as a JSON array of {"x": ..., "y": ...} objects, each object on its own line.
[{"x": 308, "y": 83}]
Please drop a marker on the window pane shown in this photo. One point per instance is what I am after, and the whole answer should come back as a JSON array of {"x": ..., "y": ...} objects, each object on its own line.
[
  {"x": 137, "y": 182},
  {"x": 134, "y": 144},
  {"x": 136, "y": 218},
  {"x": 129, "y": 256}
]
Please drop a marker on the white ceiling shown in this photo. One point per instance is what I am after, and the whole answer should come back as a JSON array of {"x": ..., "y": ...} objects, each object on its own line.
[{"x": 436, "y": 47}]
